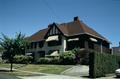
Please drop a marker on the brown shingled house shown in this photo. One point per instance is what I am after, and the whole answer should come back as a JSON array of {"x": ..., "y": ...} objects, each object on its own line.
[{"x": 57, "y": 38}]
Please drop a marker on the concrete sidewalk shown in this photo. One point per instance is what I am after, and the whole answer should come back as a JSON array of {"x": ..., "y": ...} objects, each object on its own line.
[{"x": 51, "y": 77}]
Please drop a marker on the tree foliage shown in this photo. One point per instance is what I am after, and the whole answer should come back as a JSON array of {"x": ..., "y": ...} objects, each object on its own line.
[{"x": 13, "y": 46}]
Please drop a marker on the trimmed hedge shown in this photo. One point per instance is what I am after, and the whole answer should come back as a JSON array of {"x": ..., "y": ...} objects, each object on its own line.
[{"x": 102, "y": 63}]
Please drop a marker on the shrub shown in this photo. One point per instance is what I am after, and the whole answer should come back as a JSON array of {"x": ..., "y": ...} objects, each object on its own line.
[
  {"x": 55, "y": 60},
  {"x": 48, "y": 60},
  {"x": 22, "y": 59},
  {"x": 81, "y": 56},
  {"x": 44, "y": 61},
  {"x": 67, "y": 57}
]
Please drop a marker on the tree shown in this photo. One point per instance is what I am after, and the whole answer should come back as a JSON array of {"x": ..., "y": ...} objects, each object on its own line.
[{"x": 13, "y": 46}]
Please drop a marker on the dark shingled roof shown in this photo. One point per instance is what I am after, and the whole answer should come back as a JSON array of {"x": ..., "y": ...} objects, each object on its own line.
[
  {"x": 38, "y": 36},
  {"x": 68, "y": 29}
]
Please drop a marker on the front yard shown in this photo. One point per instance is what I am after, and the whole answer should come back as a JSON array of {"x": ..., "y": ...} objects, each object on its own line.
[{"x": 21, "y": 68}]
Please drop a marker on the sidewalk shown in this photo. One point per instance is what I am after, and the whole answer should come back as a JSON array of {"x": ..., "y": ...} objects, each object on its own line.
[{"x": 51, "y": 77}]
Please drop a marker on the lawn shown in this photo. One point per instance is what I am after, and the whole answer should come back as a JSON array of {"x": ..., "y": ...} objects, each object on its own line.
[{"x": 51, "y": 69}]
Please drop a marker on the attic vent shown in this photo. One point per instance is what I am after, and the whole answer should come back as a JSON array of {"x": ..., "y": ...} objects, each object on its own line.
[{"x": 76, "y": 18}]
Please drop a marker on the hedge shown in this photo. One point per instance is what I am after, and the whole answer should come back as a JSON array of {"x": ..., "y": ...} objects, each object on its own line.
[{"x": 102, "y": 64}]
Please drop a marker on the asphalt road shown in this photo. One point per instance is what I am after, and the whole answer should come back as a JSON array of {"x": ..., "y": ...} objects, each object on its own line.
[{"x": 6, "y": 76}]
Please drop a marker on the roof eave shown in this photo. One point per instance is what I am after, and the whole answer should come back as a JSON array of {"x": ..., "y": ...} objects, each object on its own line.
[{"x": 90, "y": 35}]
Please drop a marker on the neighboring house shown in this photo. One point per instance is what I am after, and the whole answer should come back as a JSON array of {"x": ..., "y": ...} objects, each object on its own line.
[
  {"x": 58, "y": 38},
  {"x": 116, "y": 50}
]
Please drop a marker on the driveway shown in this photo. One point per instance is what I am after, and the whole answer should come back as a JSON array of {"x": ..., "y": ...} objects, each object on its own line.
[{"x": 77, "y": 71}]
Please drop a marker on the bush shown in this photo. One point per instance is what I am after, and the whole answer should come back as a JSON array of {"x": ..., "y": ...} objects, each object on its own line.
[
  {"x": 55, "y": 60},
  {"x": 81, "y": 56},
  {"x": 67, "y": 57},
  {"x": 48, "y": 60},
  {"x": 22, "y": 59},
  {"x": 44, "y": 61}
]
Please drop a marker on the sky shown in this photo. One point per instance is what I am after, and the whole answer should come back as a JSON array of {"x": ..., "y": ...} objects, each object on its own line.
[{"x": 29, "y": 16}]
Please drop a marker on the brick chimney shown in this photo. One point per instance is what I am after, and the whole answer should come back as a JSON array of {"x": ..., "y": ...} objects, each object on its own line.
[{"x": 76, "y": 18}]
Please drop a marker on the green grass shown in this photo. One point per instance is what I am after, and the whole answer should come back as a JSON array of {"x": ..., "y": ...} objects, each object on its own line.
[
  {"x": 14, "y": 65},
  {"x": 51, "y": 69}
]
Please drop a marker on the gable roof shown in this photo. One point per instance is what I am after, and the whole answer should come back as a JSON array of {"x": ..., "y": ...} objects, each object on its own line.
[
  {"x": 38, "y": 36},
  {"x": 75, "y": 27},
  {"x": 78, "y": 27}
]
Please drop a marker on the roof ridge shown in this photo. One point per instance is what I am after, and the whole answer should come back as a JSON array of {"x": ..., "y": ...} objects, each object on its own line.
[{"x": 81, "y": 25}]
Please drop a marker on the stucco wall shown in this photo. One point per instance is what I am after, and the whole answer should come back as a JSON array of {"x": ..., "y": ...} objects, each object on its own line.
[{"x": 46, "y": 48}]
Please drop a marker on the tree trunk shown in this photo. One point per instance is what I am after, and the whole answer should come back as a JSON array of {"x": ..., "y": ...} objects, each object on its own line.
[
  {"x": 11, "y": 66},
  {"x": 11, "y": 62}
]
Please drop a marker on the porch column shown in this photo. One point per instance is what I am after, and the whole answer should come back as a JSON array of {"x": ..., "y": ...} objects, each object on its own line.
[
  {"x": 63, "y": 44},
  {"x": 86, "y": 44},
  {"x": 101, "y": 48}
]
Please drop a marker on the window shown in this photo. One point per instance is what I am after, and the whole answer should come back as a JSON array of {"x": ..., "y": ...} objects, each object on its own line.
[
  {"x": 72, "y": 44},
  {"x": 41, "y": 53},
  {"x": 35, "y": 44},
  {"x": 31, "y": 45},
  {"x": 54, "y": 43},
  {"x": 91, "y": 45},
  {"x": 40, "y": 44}
]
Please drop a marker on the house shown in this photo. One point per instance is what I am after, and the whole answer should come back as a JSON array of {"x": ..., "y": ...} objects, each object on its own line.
[
  {"x": 116, "y": 50},
  {"x": 58, "y": 38}
]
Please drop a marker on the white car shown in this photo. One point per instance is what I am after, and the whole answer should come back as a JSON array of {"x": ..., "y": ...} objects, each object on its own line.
[{"x": 117, "y": 72}]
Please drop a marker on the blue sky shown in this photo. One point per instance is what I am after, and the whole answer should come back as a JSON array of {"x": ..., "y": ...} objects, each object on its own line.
[{"x": 29, "y": 16}]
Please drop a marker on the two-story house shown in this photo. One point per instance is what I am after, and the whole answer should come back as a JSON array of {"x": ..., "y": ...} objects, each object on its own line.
[{"x": 58, "y": 38}]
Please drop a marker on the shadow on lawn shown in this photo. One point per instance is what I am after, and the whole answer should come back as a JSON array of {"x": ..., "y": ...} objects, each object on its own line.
[{"x": 6, "y": 70}]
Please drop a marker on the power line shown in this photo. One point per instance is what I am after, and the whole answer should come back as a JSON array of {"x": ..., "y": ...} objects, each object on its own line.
[{"x": 51, "y": 9}]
